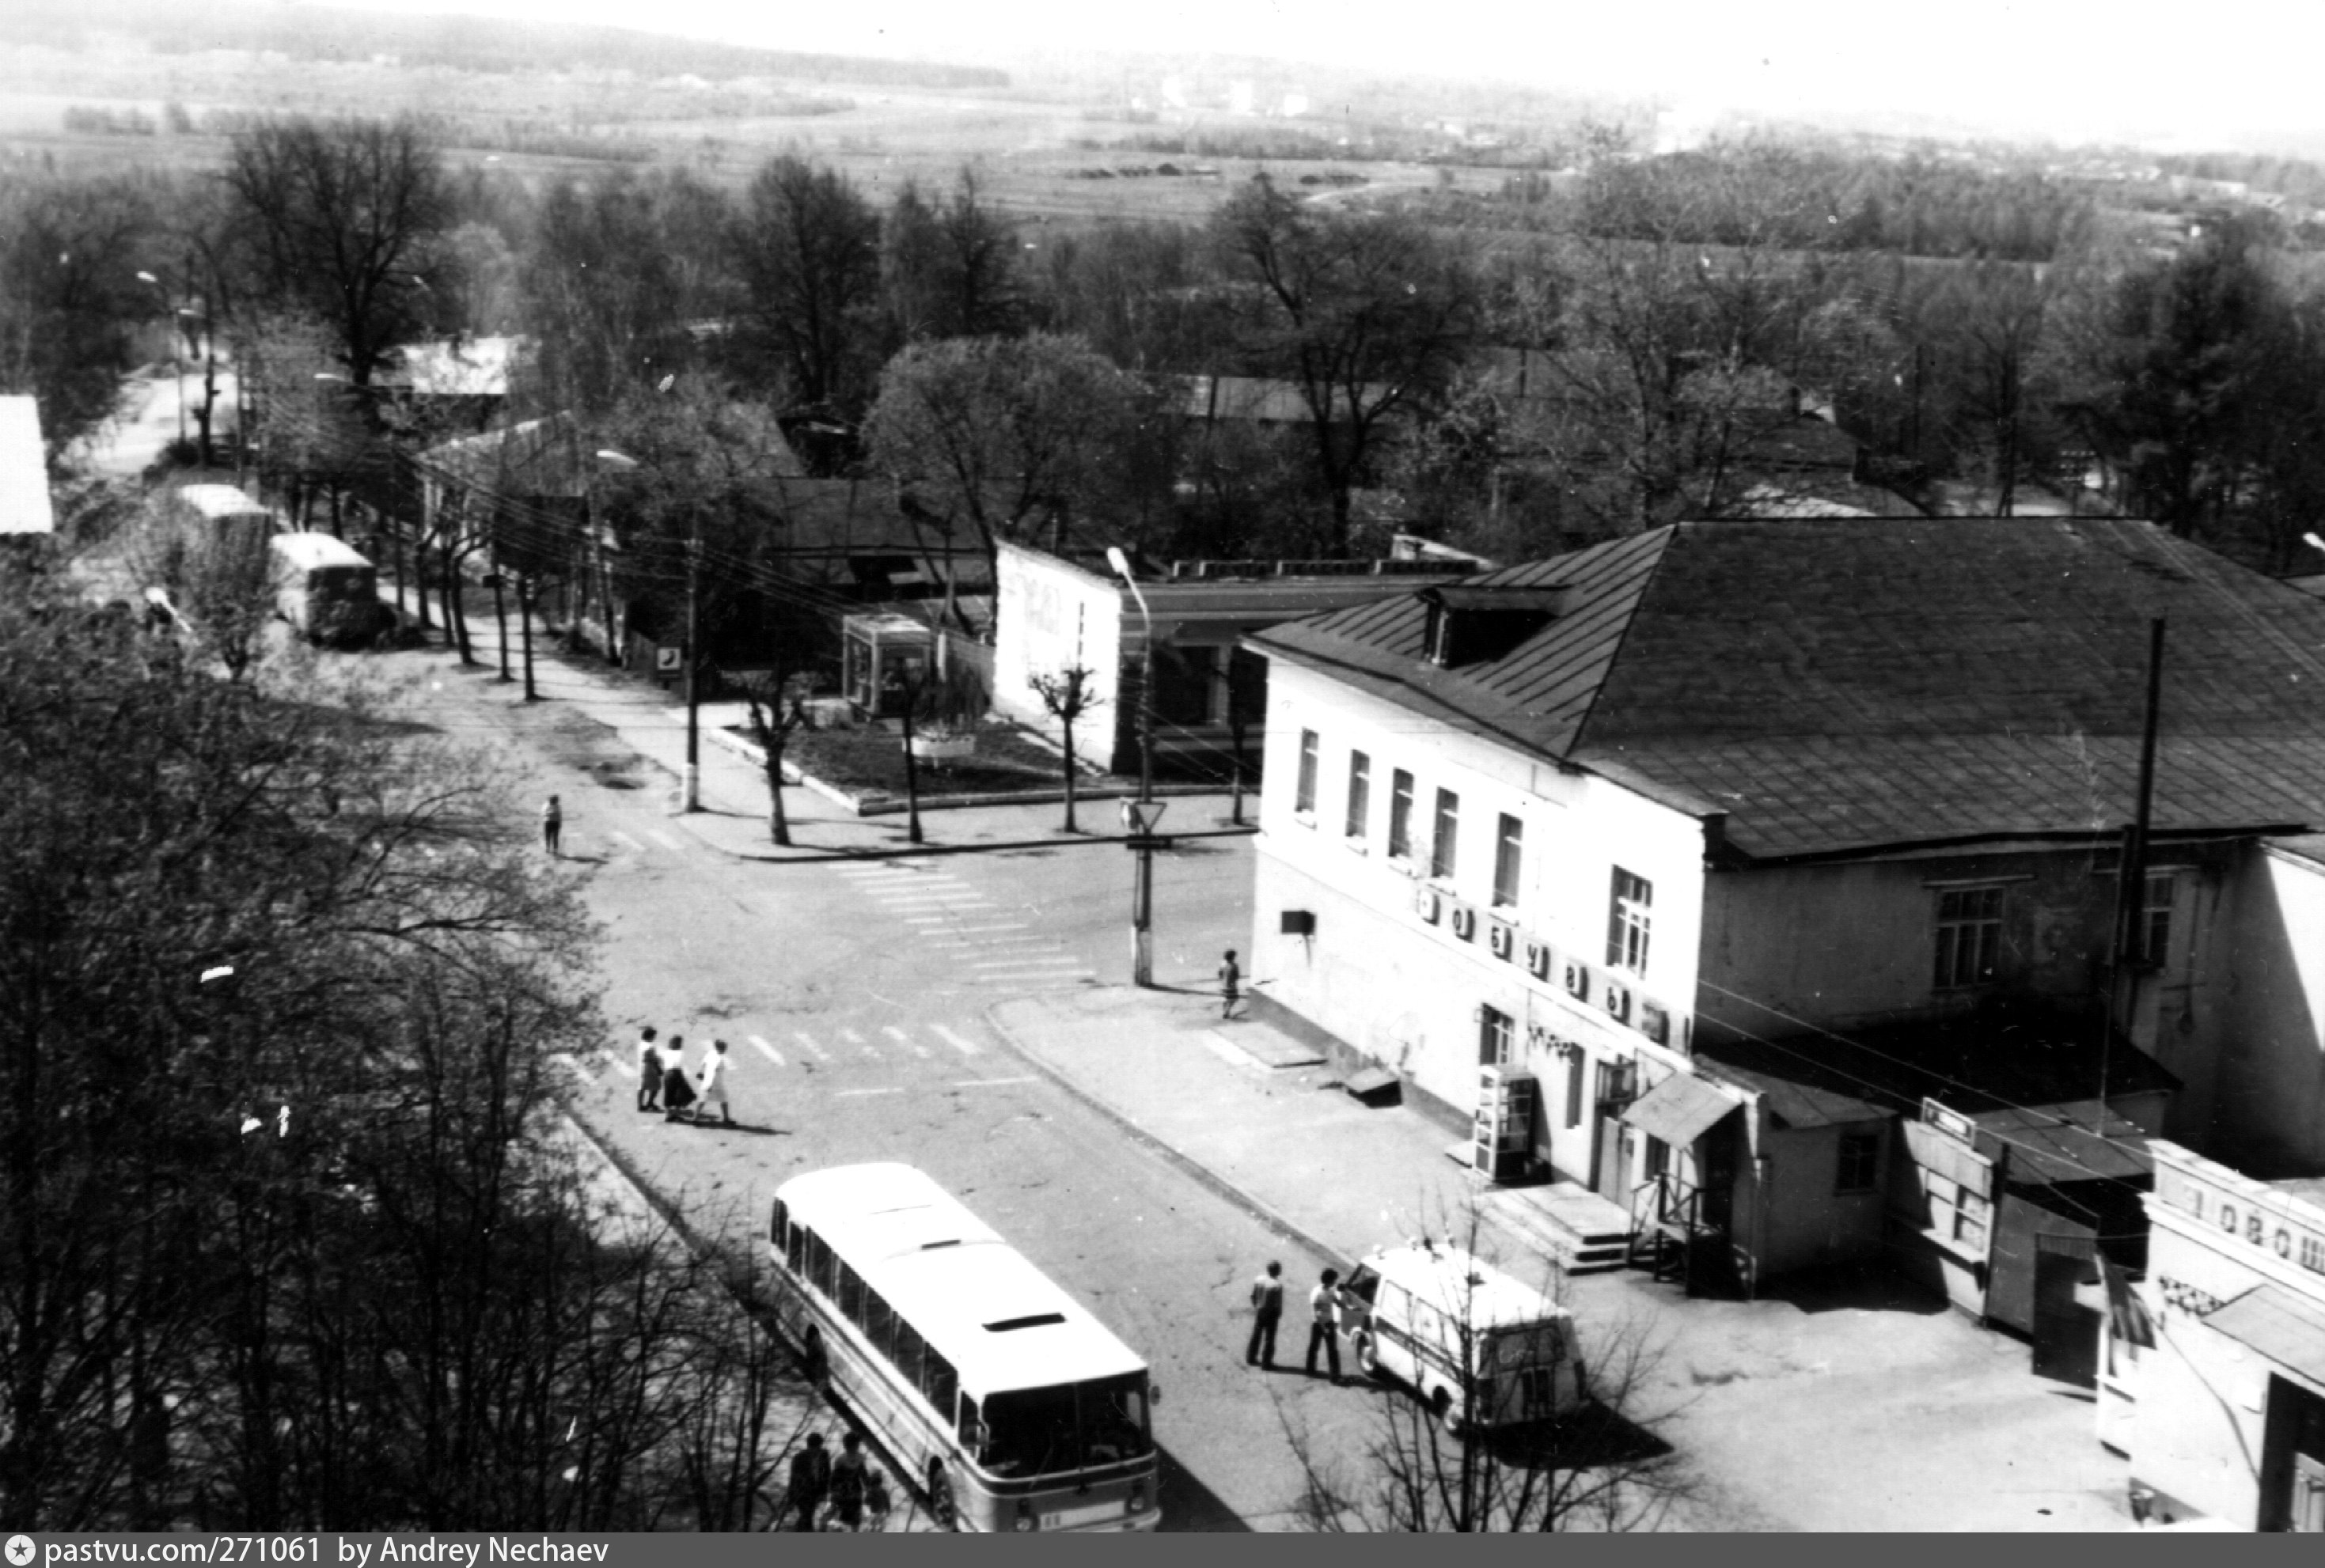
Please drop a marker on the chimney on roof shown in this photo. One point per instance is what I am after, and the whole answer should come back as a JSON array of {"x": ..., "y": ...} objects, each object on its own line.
[{"x": 1470, "y": 625}]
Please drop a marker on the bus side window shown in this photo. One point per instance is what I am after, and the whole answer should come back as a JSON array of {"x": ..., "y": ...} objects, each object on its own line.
[
  {"x": 906, "y": 1359},
  {"x": 940, "y": 1383},
  {"x": 819, "y": 1264},
  {"x": 851, "y": 1295},
  {"x": 795, "y": 1250},
  {"x": 776, "y": 1226},
  {"x": 879, "y": 1323}
]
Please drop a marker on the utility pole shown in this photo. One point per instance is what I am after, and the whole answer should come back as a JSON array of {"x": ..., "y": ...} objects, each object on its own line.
[
  {"x": 690, "y": 786},
  {"x": 525, "y": 623},
  {"x": 1139, "y": 817}
]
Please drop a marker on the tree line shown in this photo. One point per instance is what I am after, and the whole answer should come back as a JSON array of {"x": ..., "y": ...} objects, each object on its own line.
[{"x": 1623, "y": 351}]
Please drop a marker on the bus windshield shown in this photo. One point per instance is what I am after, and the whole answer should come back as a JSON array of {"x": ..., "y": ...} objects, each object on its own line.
[{"x": 1042, "y": 1431}]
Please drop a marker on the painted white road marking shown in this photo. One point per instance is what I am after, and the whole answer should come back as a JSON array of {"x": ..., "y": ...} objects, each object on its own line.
[
  {"x": 966, "y": 1048},
  {"x": 663, "y": 839},
  {"x": 1011, "y": 926},
  {"x": 1030, "y": 961},
  {"x": 992, "y": 1082},
  {"x": 574, "y": 1063},
  {"x": 821, "y": 1055},
  {"x": 853, "y": 1093},
  {"x": 768, "y": 1051},
  {"x": 901, "y": 1038},
  {"x": 618, "y": 834},
  {"x": 858, "y": 1041}
]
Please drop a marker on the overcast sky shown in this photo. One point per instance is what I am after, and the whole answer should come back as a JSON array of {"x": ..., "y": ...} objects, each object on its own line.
[{"x": 2200, "y": 73}]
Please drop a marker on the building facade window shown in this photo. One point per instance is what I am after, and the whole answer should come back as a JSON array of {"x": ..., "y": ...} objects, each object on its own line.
[
  {"x": 1303, "y": 798},
  {"x": 1970, "y": 936},
  {"x": 1629, "y": 916},
  {"x": 1445, "y": 841},
  {"x": 1495, "y": 1030},
  {"x": 1360, "y": 793},
  {"x": 2155, "y": 918},
  {"x": 1860, "y": 1166},
  {"x": 1509, "y": 852},
  {"x": 1573, "y": 1089},
  {"x": 1400, "y": 814}
]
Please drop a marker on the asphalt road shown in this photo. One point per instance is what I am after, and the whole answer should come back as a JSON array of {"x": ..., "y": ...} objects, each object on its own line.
[{"x": 853, "y": 997}]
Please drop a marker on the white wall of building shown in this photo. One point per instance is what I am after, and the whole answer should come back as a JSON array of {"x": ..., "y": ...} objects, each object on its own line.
[
  {"x": 2272, "y": 1075},
  {"x": 1404, "y": 990},
  {"x": 1052, "y": 616}
]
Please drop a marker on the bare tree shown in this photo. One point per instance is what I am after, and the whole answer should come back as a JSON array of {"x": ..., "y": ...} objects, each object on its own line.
[
  {"x": 346, "y": 218},
  {"x": 1367, "y": 316},
  {"x": 774, "y": 706},
  {"x": 1067, "y": 695},
  {"x": 1001, "y": 432},
  {"x": 807, "y": 251}
]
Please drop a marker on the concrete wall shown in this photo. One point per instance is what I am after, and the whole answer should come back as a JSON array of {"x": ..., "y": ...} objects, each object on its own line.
[
  {"x": 2269, "y": 1106},
  {"x": 1404, "y": 990},
  {"x": 1847, "y": 946},
  {"x": 1805, "y": 1223}
]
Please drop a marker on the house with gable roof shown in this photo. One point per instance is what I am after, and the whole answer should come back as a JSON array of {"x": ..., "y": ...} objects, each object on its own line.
[{"x": 1785, "y": 857}]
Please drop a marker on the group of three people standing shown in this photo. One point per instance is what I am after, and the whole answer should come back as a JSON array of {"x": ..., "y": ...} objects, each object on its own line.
[{"x": 664, "y": 1085}]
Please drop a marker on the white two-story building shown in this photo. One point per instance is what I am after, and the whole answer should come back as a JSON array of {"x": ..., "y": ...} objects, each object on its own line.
[{"x": 1784, "y": 856}]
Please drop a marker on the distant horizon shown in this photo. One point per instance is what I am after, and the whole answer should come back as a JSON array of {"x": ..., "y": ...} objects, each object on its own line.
[{"x": 2065, "y": 70}]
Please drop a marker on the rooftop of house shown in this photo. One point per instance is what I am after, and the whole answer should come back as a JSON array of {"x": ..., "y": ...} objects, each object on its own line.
[
  {"x": 454, "y": 367},
  {"x": 25, "y": 504},
  {"x": 1990, "y": 1066},
  {"x": 1839, "y": 686}
]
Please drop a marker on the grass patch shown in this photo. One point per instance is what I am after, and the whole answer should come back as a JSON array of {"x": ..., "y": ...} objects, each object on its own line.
[{"x": 871, "y": 759}]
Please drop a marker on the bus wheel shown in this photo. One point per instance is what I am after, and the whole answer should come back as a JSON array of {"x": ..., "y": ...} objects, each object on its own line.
[{"x": 1368, "y": 1356}]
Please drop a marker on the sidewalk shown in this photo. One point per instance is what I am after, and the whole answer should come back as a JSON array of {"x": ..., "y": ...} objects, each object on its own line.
[
  {"x": 733, "y": 790},
  {"x": 1835, "y": 1406}
]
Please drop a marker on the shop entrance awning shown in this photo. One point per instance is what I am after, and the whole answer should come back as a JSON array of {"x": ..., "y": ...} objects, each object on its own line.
[
  {"x": 2280, "y": 1325},
  {"x": 1680, "y": 1110}
]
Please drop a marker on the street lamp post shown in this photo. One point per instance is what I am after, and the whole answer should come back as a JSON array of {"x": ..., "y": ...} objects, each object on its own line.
[
  {"x": 690, "y": 785},
  {"x": 1139, "y": 819},
  {"x": 177, "y": 349}
]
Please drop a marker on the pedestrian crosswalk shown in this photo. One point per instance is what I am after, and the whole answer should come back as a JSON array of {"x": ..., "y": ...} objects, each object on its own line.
[
  {"x": 915, "y": 1052},
  {"x": 952, "y": 919}
]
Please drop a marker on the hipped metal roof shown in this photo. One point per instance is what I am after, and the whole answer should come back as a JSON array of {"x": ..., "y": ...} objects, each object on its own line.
[{"x": 1841, "y": 685}]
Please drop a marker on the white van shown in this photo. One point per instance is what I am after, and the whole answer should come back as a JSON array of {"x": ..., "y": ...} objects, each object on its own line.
[{"x": 1418, "y": 1312}]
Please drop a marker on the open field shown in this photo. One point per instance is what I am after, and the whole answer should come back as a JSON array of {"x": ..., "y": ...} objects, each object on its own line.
[{"x": 534, "y": 126}]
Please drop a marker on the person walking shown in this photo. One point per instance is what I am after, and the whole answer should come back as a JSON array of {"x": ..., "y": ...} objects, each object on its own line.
[
  {"x": 847, "y": 1484},
  {"x": 677, "y": 1093},
  {"x": 810, "y": 1480},
  {"x": 1230, "y": 985},
  {"x": 878, "y": 1502},
  {"x": 1266, "y": 1311},
  {"x": 649, "y": 1070},
  {"x": 710, "y": 1085},
  {"x": 1324, "y": 1323},
  {"x": 552, "y": 825}
]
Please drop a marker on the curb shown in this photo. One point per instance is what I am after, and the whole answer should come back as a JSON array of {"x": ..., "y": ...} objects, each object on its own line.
[
  {"x": 1281, "y": 1224},
  {"x": 909, "y": 851}
]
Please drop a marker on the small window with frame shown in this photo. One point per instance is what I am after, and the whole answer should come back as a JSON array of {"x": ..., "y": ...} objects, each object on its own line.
[{"x": 1859, "y": 1166}]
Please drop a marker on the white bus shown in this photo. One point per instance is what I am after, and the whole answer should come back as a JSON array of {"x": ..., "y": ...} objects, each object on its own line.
[
  {"x": 326, "y": 588},
  {"x": 994, "y": 1386},
  {"x": 206, "y": 512}
]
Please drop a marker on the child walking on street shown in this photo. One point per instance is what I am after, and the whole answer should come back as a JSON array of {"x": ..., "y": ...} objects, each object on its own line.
[
  {"x": 1230, "y": 985},
  {"x": 552, "y": 825}
]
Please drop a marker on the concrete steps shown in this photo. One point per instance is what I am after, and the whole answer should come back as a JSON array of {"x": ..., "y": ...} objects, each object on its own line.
[{"x": 1567, "y": 1222}]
